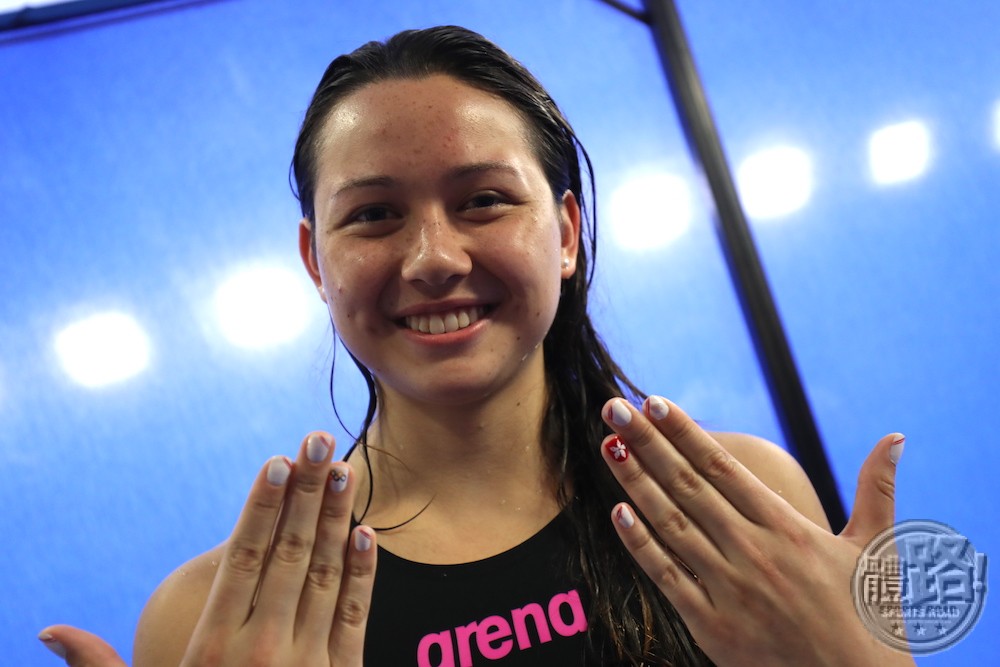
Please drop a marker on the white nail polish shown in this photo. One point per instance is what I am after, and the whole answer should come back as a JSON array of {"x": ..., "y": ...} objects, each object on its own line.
[
  {"x": 278, "y": 470},
  {"x": 362, "y": 540},
  {"x": 620, "y": 414},
  {"x": 658, "y": 408},
  {"x": 624, "y": 517},
  {"x": 316, "y": 448},
  {"x": 338, "y": 479},
  {"x": 53, "y": 645},
  {"x": 896, "y": 448}
]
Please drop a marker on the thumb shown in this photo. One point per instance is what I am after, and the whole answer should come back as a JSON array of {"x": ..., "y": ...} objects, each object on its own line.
[
  {"x": 875, "y": 500},
  {"x": 79, "y": 648}
]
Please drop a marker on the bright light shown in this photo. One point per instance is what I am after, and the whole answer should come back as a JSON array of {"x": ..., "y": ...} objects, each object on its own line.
[
  {"x": 261, "y": 307},
  {"x": 103, "y": 349},
  {"x": 650, "y": 211},
  {"x": 899, "y": 152},
  {"x": 996, "y": 125},
  {"x": 17, "y": 5},
  {"x": 775, "y": 182}
]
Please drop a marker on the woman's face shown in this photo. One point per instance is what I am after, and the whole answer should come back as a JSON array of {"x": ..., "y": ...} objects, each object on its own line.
[{"x": 439, "y": 246}]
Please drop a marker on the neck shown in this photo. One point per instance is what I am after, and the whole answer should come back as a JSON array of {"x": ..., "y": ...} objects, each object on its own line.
[{"x": 471, "y": 461}]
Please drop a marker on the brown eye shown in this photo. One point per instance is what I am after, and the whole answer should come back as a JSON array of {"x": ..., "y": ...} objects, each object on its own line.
[{"x": 372, "y": 214}]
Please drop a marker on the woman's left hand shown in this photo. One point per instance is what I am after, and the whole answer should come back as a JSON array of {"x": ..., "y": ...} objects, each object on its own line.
[{"x": 760, "y": 584}]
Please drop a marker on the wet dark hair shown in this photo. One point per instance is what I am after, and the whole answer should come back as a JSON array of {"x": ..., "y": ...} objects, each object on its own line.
[{"x": 632, "y": 622}]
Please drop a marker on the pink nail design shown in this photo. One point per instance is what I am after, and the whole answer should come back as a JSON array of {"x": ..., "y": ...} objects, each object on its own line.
[
  {"x": 619, "y": 413},
  {"x": 617, "y": 449},
  {"x": 362, "y": 539},
  {"x": 624, "y": 517}
]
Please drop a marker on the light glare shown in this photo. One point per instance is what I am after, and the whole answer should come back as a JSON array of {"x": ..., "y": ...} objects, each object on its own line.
[
  {"x": 261, "y": 307},
  {"x": 775, "y": 182},
  {"x": 996, "y": 125},
  {"x": 900, "y": 152},
  {"x": 648, "y": 212},
  {"x": 103, "y": 349}
]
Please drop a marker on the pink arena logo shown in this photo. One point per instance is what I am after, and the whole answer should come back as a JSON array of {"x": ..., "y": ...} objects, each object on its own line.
[{"x": 494, "y": 637}]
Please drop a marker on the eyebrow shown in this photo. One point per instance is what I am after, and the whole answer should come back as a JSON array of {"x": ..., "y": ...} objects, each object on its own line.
[{"x": 456, "y": 173}]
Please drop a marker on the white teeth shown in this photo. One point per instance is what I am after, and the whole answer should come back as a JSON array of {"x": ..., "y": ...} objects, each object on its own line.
[{"x": 445, "y": 323}]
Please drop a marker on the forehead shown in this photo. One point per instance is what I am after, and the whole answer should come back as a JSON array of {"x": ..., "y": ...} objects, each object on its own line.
[{"x": 426, "y": 121}]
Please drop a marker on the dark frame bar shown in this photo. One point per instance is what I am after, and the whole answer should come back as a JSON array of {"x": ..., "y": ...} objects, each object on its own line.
[{"x": 759, "y": 310}]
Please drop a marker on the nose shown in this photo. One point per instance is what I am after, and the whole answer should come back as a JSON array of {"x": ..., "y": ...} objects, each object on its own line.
[{"x": 437, "y": 253}]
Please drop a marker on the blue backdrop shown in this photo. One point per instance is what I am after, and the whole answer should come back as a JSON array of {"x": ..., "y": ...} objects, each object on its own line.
[{"x": 143, "y": 165}]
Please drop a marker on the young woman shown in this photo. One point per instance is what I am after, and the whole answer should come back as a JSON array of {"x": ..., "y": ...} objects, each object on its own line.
[{"x": 520, "y": 509}]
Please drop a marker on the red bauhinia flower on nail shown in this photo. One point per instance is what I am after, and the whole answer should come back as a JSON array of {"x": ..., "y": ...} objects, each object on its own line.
[{"x": 618, "y": 450}]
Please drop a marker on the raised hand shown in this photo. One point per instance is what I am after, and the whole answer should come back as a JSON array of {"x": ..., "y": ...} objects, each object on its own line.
[
  {"x": 293, "y": 586},
  {"x": 756, "y": 582}
]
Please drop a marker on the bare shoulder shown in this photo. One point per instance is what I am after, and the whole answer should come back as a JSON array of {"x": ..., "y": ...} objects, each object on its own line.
[
  {"x": 170, "y": 615},
  {"x": 778, "y": 470}
]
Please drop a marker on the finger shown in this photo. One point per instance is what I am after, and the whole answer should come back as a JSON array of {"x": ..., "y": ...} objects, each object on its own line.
[
  {"x": 80, "y": 648},
  {"x": 242, "y": 565},
  {"x": 292, "y": 546},
  {"x": 668, "y": 521},
  {"x": 875, "y": 499},
  {"x": 691, "y": 488},
  {"x": 673, "y": 579},
  {"x": 347, "y": 639},
  {"x": 693, "y": 467},
  {"x": 326, "y": 568}
]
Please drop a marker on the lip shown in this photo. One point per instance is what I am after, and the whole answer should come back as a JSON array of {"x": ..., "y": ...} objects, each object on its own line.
[
  {"x": 439, "y": 307},
  {"x": 445, "y": 338},
  {"x": 458, "y": 337}
]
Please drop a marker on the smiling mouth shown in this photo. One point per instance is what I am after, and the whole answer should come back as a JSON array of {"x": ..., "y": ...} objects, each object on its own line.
[{"x": 446, "y": 322}]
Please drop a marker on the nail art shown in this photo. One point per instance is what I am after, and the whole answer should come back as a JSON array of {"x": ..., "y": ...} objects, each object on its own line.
[
  {"x": 316, "y": 448},
  {"x": 338, "y": 479},
  {"x": 624, "y": 517},
  {"x": 278, "y": 470},
  {"x": 362, "y": 539},
  {"x": 896, "y": 448},
  {"x": 617, "y": 449},
  {"x": 619, "y": 413},
  {"x": 657, "y": 408},
  {"x": 53, "y": 645}
]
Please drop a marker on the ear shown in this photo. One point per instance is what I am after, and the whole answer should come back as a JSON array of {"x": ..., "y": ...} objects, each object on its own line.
[
  {"x": 569, "y": 230},
  {"x": 308, "y": 253}
]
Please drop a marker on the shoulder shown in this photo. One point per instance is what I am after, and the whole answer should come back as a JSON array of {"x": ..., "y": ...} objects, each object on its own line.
[
  {"x": 169, "y": 617},
  {"x": 778, "y": 470}
]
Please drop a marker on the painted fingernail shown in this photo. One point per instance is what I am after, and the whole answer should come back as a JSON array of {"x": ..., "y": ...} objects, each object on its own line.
[
  {"x": 278, "y": 470},
  {"x": 316, "y": 448},
  {"x": 338, "y": 479},
  {"x": 896, "y": 448},
  {"x": 657, "y": 408},
  {"x": 362, "y": 539},
  {"x": 617, "y": 449},
  {"x": 624, "y": 517},
  {"x": 619, "y": 413},
  {"x": 53, "y": 645}
]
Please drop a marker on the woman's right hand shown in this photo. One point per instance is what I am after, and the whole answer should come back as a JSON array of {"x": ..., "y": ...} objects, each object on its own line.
[{"x": 294, "y": 585}]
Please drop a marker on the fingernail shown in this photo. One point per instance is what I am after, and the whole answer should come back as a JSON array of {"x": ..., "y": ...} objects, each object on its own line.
[
  {"x": 658, "y": 408},
  {"x": 53, "y": 645},
  {"x": 619, "y": 413},
  {"x": 278, "y": 470},
  {"x": 362, "y": 539},
  {"x": 617, "y": 449},
  {"x": 896, "y": 448},
  {"x": 338, "y": 479},
  {"x": 624, "y": 517},
  {"x": 316, "y": 448}
]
